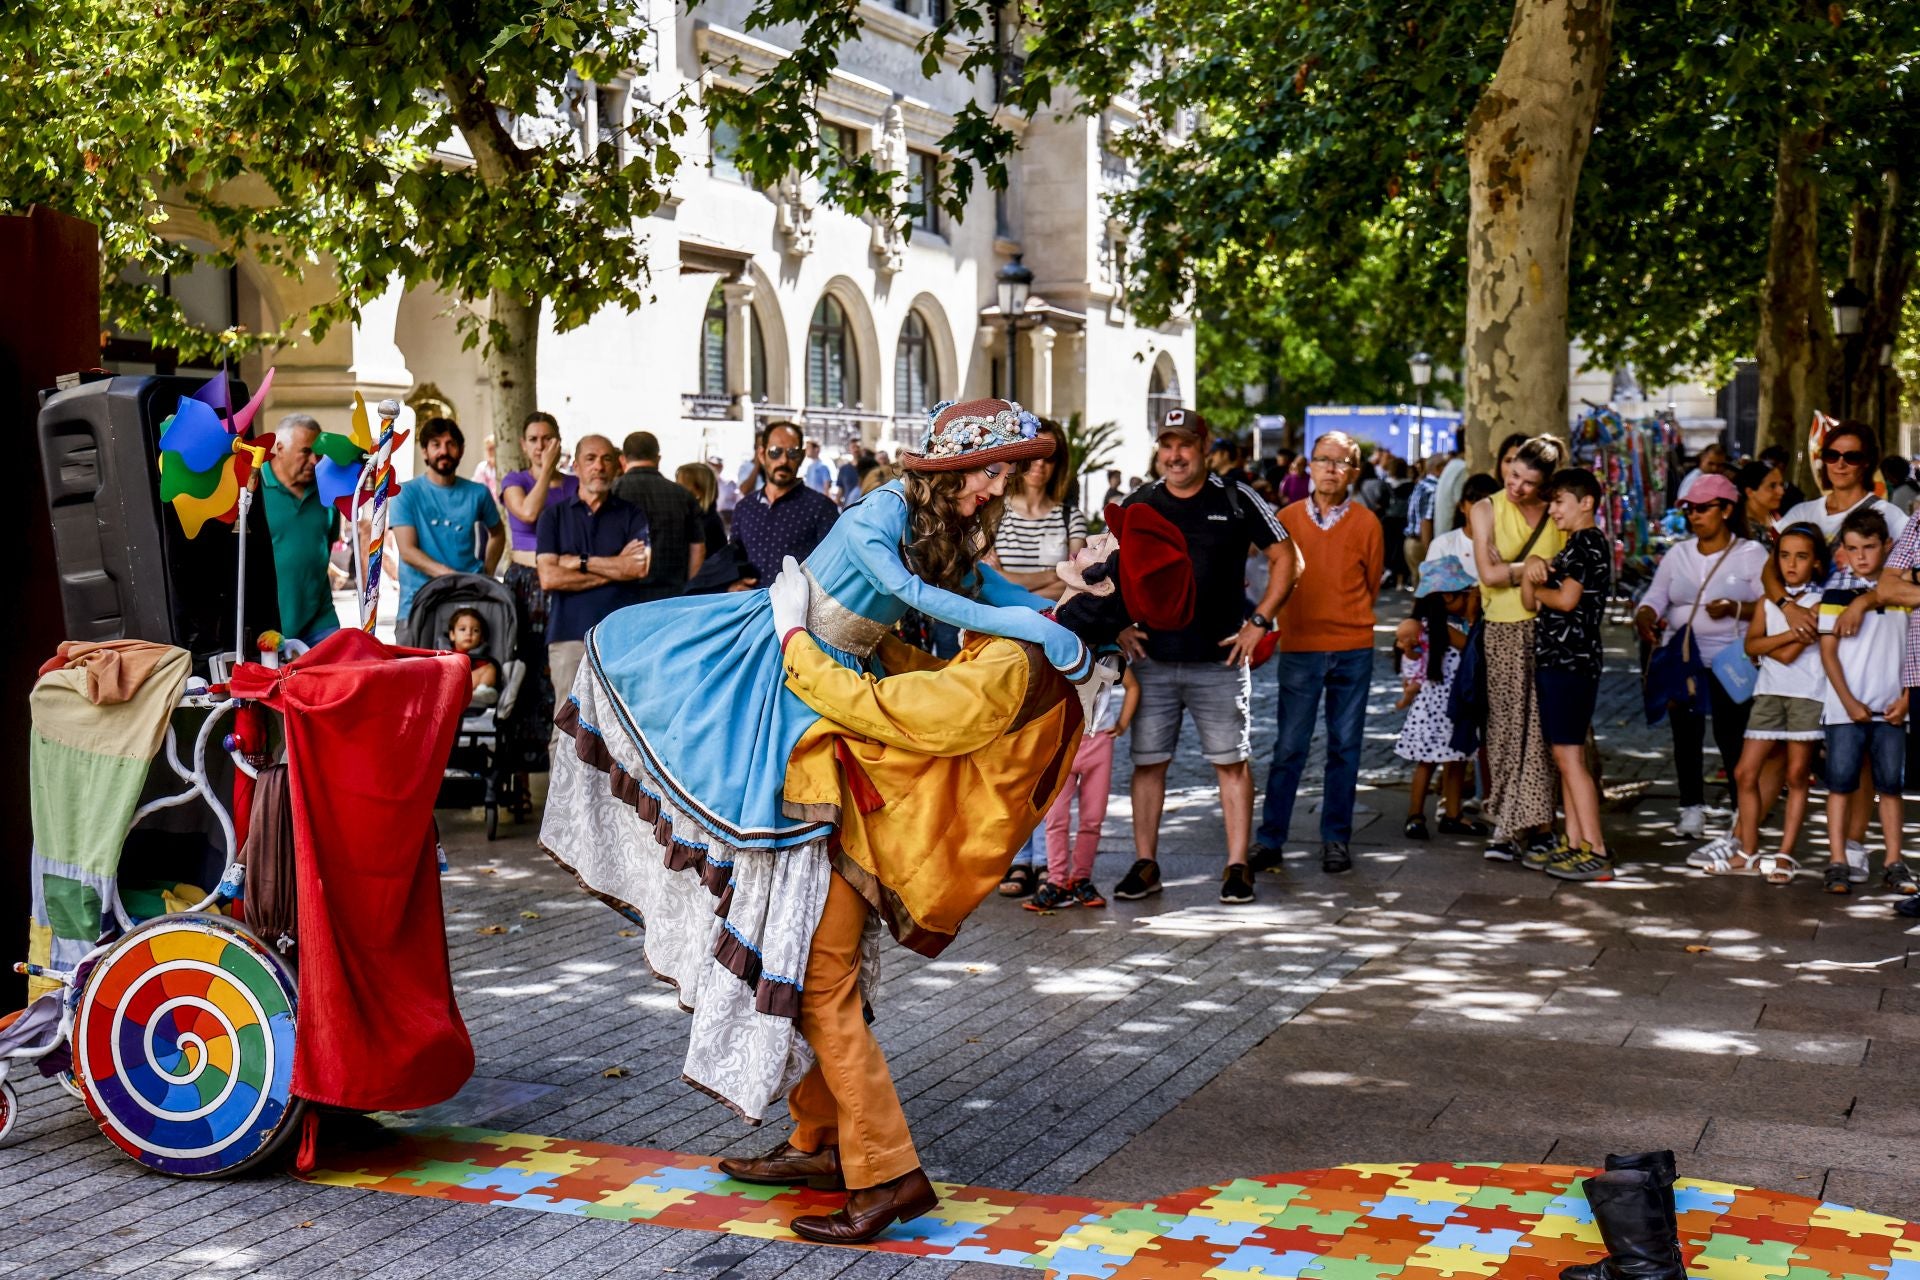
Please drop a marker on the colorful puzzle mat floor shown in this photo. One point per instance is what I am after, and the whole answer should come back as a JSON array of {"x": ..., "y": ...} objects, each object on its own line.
[{"x": 1354, "y": 1222}]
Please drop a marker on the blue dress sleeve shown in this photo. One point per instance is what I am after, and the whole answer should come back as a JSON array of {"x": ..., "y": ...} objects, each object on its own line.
[
  {"x": 997, "y": 591},
  {"x": 881, "y": 520}
]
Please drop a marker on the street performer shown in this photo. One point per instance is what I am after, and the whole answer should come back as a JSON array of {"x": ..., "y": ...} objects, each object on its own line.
[{"x": 675, "y": 805}]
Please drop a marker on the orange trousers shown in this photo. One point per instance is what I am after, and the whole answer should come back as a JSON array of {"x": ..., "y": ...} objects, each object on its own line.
[{"x": 848, "y": 1098}]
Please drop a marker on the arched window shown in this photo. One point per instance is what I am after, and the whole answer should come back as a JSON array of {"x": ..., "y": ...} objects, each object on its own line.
[
  {"x": 1163, "y": 393},
  {"x": 914, "y": 374},
  {"x": 713, "y": 345},
  {"x": 833, "y": 365}
]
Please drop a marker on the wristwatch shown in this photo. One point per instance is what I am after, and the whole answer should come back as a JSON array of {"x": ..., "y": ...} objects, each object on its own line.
[
  {"x": 583, "y": 564},
  {"x": 1261, "y": 621}
]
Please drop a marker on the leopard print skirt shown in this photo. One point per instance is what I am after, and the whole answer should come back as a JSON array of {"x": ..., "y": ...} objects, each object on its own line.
[{"x": 1520, "y": 775}]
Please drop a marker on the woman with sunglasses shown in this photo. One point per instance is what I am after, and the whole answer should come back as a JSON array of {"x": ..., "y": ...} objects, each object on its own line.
[
  {"x": 1845, "y": 469},
  {"x": 1710, "y": 584}
]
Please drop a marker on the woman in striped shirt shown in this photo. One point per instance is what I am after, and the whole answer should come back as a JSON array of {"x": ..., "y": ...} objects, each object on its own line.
[{"x": 1037, "y": 530}]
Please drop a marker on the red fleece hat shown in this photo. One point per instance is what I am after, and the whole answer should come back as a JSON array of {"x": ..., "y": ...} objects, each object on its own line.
[{"x": 1156, "y": 570}]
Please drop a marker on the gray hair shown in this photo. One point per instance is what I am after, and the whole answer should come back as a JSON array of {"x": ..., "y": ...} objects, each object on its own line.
[{"x": 294, "y": 422}]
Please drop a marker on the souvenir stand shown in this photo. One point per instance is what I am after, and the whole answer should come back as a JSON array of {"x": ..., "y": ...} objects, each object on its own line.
[{"x": 1630, "y": 460}]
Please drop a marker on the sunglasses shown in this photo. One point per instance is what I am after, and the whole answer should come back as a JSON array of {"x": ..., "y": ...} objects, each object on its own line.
[
  {"x": 1700, "y": 508},
  {"x": 796, "y": 453},
  {"x": 1852, "y": 457}
]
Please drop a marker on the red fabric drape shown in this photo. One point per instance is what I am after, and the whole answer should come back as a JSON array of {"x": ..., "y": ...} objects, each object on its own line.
[{"x": 368, "y": 730}]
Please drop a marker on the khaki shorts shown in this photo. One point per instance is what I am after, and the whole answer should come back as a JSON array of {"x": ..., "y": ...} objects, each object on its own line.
[{"x": 1778, "y": 718}]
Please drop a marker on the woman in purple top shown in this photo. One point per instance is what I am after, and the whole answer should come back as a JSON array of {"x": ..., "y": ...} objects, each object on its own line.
[
  {"x": 1296, "y": 484},
  {"x": 524, "y": 495}
]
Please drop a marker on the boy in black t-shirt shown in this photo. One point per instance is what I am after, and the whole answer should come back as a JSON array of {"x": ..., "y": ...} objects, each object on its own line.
[{"x": 1570, "y": 595}]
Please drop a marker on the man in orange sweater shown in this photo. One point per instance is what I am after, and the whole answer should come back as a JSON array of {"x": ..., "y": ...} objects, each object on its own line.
[{"x": 1326, "y": 651}]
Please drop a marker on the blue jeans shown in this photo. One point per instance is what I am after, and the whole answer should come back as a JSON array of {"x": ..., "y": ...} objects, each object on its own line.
[
  {"x": 1344, "y": 676},
  {"x": 1850, "y": 744}
]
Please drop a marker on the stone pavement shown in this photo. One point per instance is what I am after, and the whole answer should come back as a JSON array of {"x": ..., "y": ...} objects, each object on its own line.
[{"x": 1428, "y": 1005}]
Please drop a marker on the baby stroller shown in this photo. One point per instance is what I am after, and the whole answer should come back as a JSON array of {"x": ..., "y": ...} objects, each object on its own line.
[{"x": 477, "y": 772}]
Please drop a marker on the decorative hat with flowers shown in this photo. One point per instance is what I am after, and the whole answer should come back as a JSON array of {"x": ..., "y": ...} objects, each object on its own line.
[{"x": 971, "y": 434}]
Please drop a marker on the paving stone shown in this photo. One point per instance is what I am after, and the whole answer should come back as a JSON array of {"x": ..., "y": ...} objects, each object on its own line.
[{"x": 1790, "y": 1143}]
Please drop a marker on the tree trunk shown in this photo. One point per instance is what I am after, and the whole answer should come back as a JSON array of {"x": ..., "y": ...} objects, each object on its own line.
[
  {"x": 1794, "y": 343},
  {"x": 1881, "y": 264},
  {"x": 1525, "y": 144},
  {"x": 510, "y": 366}
]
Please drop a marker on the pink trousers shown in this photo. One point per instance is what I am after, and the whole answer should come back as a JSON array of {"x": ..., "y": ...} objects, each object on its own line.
[{"x": 1092, "y": 769}]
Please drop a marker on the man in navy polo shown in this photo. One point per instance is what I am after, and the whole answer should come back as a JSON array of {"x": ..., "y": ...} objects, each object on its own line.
[
  {"x": 782, "y": 517},
  {"x": 591, "y": 552}
]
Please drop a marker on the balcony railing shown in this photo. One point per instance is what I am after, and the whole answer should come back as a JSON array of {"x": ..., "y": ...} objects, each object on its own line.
[{"x": 709, "y": 408}]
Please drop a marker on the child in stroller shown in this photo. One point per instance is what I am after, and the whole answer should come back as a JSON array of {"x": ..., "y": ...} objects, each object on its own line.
[
  {"x": 477, "y": 616},
  {"x": 467, "y": 634}
]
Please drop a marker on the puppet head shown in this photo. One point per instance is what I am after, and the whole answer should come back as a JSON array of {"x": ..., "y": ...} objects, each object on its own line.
[{"x": 1147, "y": 578}]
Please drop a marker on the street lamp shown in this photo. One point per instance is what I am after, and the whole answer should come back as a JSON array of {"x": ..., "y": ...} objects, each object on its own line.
[
  {"x": 1420, "y": 366},
  {"x": 1849, "y": 305},
  {"x": 1015, "y": 281}
]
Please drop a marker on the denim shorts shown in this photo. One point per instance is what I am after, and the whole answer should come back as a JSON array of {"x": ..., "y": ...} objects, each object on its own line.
[
  {"x": 1567, "y": 699},
  {"x": 1219, "y": 697},
  {"x": 1847, "y": 744}
]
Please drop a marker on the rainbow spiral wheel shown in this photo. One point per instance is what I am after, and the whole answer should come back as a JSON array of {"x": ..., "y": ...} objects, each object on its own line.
[{"x": 184, "y": 1046}]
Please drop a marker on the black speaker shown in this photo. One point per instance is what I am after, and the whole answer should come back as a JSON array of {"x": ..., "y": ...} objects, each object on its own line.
[{"x": 127, "y": 569}]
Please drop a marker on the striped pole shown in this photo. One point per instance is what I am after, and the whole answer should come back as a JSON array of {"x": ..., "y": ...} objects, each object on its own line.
[{"x": 380, "y": 465}]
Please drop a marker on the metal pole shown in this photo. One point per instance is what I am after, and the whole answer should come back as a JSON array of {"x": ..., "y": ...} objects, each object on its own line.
[
  {"x": 1420, "y": 417},
  {"x": 1013, "y": 358},
  {"x": 240, "y": 579}
]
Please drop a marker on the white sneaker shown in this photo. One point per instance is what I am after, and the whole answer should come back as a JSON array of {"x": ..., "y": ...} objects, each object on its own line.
[
  {"x": 1857, "y": 870},
  {"x": 1692, "y": 821},
  {"x": 1713, "y": 853}
]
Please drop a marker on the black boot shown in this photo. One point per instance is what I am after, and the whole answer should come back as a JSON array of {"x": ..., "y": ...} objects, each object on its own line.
[
  {"x": 1659, "y": 1165},
  {"x": 1637, "y": 1224}
]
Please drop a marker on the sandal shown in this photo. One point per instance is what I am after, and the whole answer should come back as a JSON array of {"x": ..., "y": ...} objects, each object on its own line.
[
  {"x": 1416, "y": 828},
  {"x": 1018, "y": 883},
  {"x": 1731, "y": 860},
  {"x": 1778, "y": 868},
  {"x": 1837, "y": 880}
]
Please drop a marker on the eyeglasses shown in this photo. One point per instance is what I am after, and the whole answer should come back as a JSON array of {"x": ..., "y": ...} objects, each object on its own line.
[
  {"x": 1337, "y": 463},
  {"x": 1852, "y": 457},
  {"x": 796, "y": 453}
]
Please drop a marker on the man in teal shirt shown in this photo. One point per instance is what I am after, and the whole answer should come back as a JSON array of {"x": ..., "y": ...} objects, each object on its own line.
[
  {"x": 436, "y": 514},
  {"x": 303, "y": 531}
]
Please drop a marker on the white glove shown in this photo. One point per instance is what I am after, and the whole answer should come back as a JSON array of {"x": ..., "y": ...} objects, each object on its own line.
[{"x": 788, "y": 595}]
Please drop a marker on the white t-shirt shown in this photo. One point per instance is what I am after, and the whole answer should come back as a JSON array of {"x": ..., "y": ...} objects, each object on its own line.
[
  {"x": 1454, "y": 542},
  {"x": 1869, "y": 659},
  {"x": 1804, "y": 677},
  {"x": 1676, "y": 585},
  {"x": 1814, "y": 512}
]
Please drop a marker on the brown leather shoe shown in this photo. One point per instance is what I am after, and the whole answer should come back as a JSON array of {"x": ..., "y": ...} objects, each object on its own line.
[
  {"x": 870, "y": 1210},
  {"x": 789, "y": 1166}
]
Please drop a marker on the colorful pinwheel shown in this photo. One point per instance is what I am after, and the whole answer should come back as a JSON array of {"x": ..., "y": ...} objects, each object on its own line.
[{"x": 205, "y": 457}]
